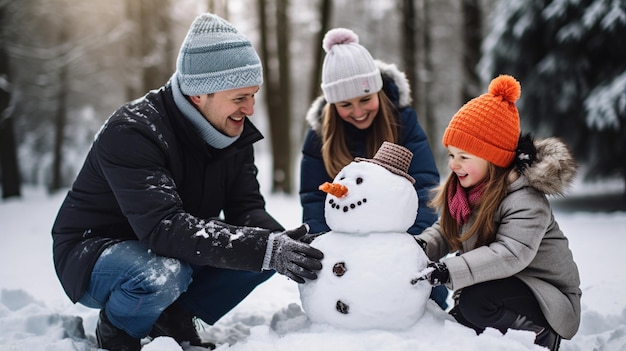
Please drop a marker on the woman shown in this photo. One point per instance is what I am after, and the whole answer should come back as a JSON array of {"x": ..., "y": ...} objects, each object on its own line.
[{"x": 365, "y": 103}]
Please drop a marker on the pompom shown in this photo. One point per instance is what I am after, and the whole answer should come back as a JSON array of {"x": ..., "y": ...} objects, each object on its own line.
[
  {"x": 339, "y": 36},
  {"x": 505, "y": 86}
]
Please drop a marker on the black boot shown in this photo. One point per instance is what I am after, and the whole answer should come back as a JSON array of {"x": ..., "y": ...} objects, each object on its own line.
[
  {"x": 456, "y": 313},
  {"x": 112, "y": 338},
  {"x": 545, "y": 336},
  {"x": 177, "y": 323},
  {"x": 549, "y": 338}
]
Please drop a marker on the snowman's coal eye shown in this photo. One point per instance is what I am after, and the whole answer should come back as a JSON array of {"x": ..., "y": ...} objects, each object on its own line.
[
  {"x": 359, "y": 180},
  {"x": 342, "y": 178}
]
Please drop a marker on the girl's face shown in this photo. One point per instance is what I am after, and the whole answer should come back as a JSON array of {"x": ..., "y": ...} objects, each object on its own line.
[
  {"x": 360, "y": 111},
  {"x": 469, "y": 169}
]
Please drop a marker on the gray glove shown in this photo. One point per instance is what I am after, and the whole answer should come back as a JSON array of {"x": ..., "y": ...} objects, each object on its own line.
[{"x": 293, "y": 258}]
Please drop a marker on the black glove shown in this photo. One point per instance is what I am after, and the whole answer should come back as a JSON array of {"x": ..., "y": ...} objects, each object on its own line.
[
  {"x": 437, "y": 274},
  {"x": 420, "y": 242},
  {"x": 310, "y": 237},
  {"x": 293, "y": 258}
]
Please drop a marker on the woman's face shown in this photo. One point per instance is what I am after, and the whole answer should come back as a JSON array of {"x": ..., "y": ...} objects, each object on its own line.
[
  {"x": 469, "y": 169},
  {"x": 360, "y": 111}
]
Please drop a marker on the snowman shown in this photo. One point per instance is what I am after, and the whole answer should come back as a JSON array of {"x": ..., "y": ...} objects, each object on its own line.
[{"x": 369, "y": 258}]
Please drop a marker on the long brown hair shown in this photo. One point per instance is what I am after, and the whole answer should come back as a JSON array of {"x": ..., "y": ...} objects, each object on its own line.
[
  {"x": 335, "y": 151},
  {"x": 484, "y": 227}
]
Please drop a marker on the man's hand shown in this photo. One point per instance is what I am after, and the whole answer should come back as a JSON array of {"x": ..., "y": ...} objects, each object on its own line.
[
  {"x": 294, "y": 258},
  {"x": 436, "y": 273}
]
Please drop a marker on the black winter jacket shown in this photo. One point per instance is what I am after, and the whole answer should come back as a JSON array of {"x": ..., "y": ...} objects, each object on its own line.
[{"x": 149, "y": 176}]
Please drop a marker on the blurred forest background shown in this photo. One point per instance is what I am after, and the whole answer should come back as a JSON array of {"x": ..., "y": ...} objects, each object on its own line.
[{"x": 65, "y": 66}]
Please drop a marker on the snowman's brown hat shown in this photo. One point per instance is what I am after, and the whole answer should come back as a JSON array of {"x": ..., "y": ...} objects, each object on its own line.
[{"x": 393, "y": 157}]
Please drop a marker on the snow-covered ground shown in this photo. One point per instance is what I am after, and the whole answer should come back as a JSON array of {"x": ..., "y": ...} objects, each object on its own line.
[{"x": 36, "y": 315}]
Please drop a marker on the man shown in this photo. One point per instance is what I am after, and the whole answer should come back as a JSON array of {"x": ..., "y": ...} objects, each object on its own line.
[{"x": 138, "y": 236}]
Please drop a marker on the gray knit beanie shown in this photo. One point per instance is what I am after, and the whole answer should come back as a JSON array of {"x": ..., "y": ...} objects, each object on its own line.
[
  {"x": 215, "y": 57},
  {"x": 349, "y": 70}
]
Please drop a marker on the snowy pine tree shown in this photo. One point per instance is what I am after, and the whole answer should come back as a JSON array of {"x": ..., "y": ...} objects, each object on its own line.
[{"x": 570, "y": 57}]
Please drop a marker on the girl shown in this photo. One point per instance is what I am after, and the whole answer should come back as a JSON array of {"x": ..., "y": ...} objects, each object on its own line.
[{"x": 513, "y": 267}]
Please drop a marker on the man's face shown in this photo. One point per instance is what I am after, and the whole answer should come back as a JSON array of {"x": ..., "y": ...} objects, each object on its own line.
[{"x": 227, "y": 110}]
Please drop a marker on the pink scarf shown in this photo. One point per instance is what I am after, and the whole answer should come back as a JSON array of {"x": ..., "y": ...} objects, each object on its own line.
[{"x": 461, "y": 202}]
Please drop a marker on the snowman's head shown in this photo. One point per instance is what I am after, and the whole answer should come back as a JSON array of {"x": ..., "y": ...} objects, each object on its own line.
[{"x": 372, "y": 198}]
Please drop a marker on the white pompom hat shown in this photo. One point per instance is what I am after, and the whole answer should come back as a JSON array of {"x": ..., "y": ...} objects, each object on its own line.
[{"x": 349, "y": 70}]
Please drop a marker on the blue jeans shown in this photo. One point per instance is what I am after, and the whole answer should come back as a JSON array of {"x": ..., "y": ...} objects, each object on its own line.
[{"x": 134, "y": 285}]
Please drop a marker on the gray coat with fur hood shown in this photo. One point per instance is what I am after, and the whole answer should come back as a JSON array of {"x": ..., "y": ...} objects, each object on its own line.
[{"x": 529, "y": 243}]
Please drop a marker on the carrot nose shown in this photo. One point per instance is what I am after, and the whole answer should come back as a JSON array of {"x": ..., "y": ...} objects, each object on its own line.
[{"x": 335, "y": 189}]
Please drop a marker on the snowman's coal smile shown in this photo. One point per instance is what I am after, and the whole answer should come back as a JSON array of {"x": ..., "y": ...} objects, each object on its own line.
[{"x": 346, "y": 208}]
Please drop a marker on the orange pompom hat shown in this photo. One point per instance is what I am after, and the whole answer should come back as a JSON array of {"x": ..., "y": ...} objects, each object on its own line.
[{"x": 488, "y": 126}]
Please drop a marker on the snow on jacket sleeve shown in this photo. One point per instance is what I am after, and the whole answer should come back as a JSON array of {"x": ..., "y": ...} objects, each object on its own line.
[{"x": 133, "y": 161}]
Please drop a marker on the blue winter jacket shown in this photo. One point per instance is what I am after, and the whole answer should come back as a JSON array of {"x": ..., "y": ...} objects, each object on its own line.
[{"x": 412, "y": 136}]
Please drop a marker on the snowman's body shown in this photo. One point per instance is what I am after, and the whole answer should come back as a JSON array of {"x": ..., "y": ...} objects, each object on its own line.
[{"x": 369, "y": 258}]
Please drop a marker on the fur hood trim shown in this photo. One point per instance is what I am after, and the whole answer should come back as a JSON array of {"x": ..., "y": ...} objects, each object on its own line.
[
  {"x": 399, "y": 78},
  {"x": 389, "y": 70},
  {"x": 555, "y": 168}
]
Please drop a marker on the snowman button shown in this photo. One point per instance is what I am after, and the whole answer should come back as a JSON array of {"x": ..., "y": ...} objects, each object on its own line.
[
  {"x": 339, "y": 269},
  {"x": 342, "y": 307}
]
